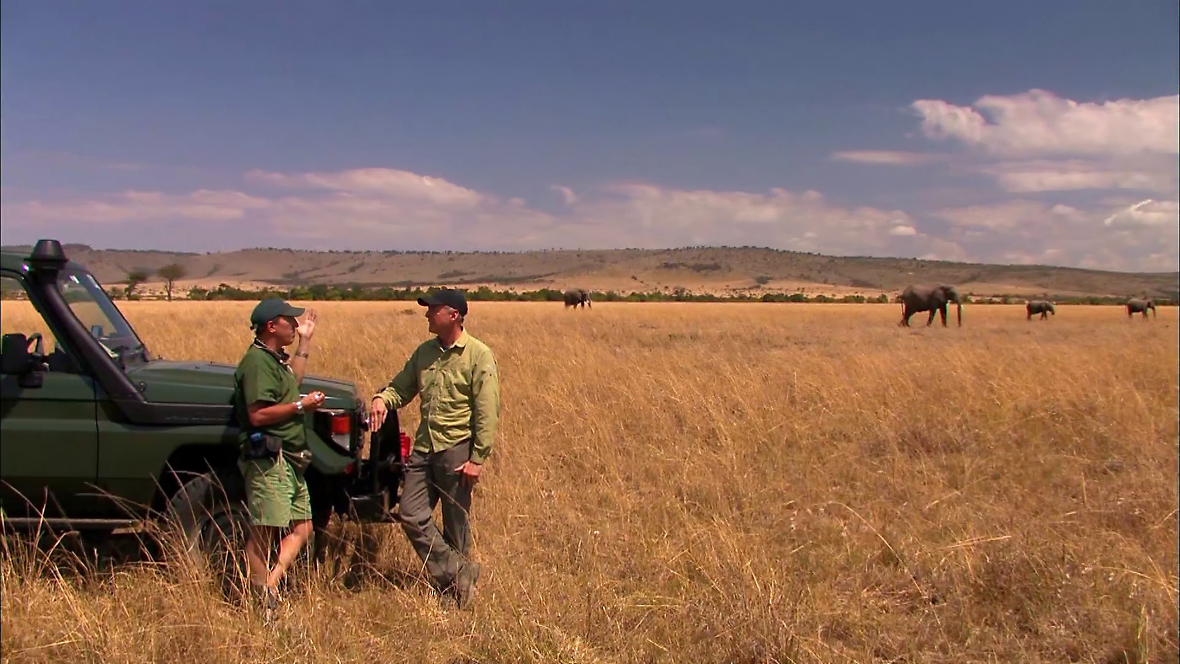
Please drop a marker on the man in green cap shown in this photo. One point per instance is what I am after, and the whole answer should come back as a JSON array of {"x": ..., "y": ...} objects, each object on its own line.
[
  {"x": 458, "y": 385},
  {"x": 274, "y": 454}
]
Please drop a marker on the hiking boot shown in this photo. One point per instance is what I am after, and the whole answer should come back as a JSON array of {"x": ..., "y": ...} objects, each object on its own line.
[
  {"x": 272, "y": 604},
  {"x": 465, "y": 584},
  {"x": 266, "y": 599}
]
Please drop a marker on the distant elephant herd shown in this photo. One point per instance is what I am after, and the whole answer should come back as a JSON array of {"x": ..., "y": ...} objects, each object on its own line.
[
  {"x": 1134, "y": 306},
  {"x": 935, "y": 299},
  {"x": 915, "y": 299}
]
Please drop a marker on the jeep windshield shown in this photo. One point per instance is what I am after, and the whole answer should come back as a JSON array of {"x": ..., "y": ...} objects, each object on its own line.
[{"x": 94, "y": 309}]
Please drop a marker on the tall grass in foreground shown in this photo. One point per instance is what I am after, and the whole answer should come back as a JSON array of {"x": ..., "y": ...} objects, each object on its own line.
[{"x": 721, "y": 483}]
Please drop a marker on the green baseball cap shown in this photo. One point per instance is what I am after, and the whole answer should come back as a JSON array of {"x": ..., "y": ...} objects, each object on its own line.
[{"x": 270, "y": 309}]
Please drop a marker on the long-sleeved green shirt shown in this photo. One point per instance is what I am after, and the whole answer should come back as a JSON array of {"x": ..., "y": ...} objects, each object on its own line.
[{"x": 459, "y": 395}]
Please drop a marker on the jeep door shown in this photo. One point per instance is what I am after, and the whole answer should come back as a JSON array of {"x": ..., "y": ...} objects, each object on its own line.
[{"x": 48, "y": 433}]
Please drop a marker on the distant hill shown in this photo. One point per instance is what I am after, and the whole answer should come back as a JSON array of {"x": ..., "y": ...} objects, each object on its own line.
[{"x": 702, "y": 270}]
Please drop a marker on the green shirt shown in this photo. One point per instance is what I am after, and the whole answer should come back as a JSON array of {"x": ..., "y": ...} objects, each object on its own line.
[
  {"x": 263, "y": 375},
  {"x": 459, "y": 390}
]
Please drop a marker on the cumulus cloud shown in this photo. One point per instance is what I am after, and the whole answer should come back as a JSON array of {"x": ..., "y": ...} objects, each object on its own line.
[
  {"x": 380, "y": 182},
  {"x": 1074, "y": 174},
  {"x": 1146, "y": 213},
  {"x": 645, "y": 215},
  {"x": 1040, "y": 123},
  {"x": 1039, "y": 142},
  {"x": 384, "y": 207},
  {"x": 999, "y": 217},
  {"x": 380, "y": 209},
  {"x": 1142, "y": 236}
]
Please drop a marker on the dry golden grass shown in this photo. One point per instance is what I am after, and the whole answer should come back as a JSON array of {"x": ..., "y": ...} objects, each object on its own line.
[{"x": 724, "y": 483}]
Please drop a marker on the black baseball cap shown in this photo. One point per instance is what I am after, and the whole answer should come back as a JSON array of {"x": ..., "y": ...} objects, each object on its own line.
[
  {"x": 270, "y": 309},
  {"x": 446, "y": 296}
]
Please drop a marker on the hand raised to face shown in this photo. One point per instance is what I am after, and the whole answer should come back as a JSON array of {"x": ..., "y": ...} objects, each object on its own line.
[{"x": 307, "y": 325}]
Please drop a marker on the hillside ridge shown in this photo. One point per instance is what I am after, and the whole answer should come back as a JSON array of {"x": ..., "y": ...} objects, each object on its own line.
[{"x": 717, "y": 270}]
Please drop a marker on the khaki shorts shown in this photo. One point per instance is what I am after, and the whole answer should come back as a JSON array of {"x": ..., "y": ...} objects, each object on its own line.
[{"x": 276, "y": 493}]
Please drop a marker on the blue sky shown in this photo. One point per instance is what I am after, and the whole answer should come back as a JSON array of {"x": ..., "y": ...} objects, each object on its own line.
[{"x": 1021, "y": 132}]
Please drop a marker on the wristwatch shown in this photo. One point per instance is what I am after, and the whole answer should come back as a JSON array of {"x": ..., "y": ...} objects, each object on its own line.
[{"x": 299, "y": 405}]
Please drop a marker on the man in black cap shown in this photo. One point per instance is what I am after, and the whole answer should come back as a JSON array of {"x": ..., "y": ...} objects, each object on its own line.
[
  {"x": 458, "y": 385},
  {"x": 274, "y": 453}
]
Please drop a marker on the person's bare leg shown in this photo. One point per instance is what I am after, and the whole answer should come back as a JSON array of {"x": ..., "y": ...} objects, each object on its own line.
[
  {"x": 258, "y": 540},
  {"x": 288, "y": 549}
]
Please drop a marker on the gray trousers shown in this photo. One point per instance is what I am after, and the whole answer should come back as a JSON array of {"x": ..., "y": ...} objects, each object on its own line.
[{"x": 429, "y": 478}]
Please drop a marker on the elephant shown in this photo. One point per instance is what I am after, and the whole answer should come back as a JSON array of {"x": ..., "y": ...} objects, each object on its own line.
[
  {"x": 929, "y": 298},
  {"x": 577, "y": 297},
  {"x": 1040, "y": 307},
  {"x": 1140, "y": 306}
]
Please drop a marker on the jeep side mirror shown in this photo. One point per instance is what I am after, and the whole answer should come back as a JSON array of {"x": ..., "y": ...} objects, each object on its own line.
[
  {"x": 15, "y": 358},
  {"x": 14, "y": 353},
  {"x": 96, "y": 331}
]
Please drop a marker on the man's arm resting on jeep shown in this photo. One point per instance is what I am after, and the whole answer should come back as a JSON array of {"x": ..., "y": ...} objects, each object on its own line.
[{"x": 264, "y": 413}]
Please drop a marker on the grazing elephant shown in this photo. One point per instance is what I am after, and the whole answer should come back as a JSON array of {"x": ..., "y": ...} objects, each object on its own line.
[
  {"x": 1040, "y": 307},
  {"x": 1139, "y": 306},
  {"x": 577, "y": 297},
  {"x": 929, "y": 298}
]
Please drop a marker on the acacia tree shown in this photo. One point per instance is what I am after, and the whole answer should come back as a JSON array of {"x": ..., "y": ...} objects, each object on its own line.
[
  {"x": 134, "y": 279},
  {"x": 170, "y": 273}
]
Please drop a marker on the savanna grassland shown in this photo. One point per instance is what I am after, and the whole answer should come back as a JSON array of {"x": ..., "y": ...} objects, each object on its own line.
[
  {"x": 716, "y": 270},
  {"x": 720, "y": 483}
]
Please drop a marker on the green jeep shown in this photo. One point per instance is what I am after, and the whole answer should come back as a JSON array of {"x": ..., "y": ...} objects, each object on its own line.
[{"x": 99, "y": 435}]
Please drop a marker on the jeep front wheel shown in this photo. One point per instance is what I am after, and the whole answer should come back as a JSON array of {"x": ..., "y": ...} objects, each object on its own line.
[{"x": 210, "y": 524}]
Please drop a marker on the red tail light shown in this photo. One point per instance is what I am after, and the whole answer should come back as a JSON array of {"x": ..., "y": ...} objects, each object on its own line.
[
  {"x": 341, "y": 424},
  {"x": 407, "y": 444}
]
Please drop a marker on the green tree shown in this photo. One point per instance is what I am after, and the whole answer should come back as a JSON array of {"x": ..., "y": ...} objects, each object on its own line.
[
  {"x": 170, "y": 274},
  {"x": 134, "y": 279}
]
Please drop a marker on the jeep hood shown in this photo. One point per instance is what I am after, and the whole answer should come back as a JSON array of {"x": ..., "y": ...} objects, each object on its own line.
[{"x": 213, "y": 383}]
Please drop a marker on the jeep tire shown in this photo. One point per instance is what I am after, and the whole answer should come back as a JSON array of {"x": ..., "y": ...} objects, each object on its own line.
[{"x": 209, "y": 524}]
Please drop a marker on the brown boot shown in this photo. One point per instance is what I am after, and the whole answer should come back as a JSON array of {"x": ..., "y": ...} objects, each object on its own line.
[
  {"x": 271, "y": 612},
  {"x": 465, "y": 584},
  {"x": 266, "y": 600}
]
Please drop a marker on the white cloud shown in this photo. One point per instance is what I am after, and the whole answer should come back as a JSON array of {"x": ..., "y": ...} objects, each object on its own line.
[
  {"x": 1040, "y": 123},
  {"x": 567, "y": 195},
  {"x": 643, "y": 215},
  {"x": 885, "y": 157},
  {"x": 140, "y": 206},
  {"x": 381, "y": 182},
  {"x": 998, "y": 217},
  {"x": 1069, "y": 175},
  {"x": 1139, "y": 237},
  {"x": 405, "y": 209},
  {"x": 1039, "y": 142},
  {"x": 399, "y": 209},
  {"x": 1146, "y": 213}
]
